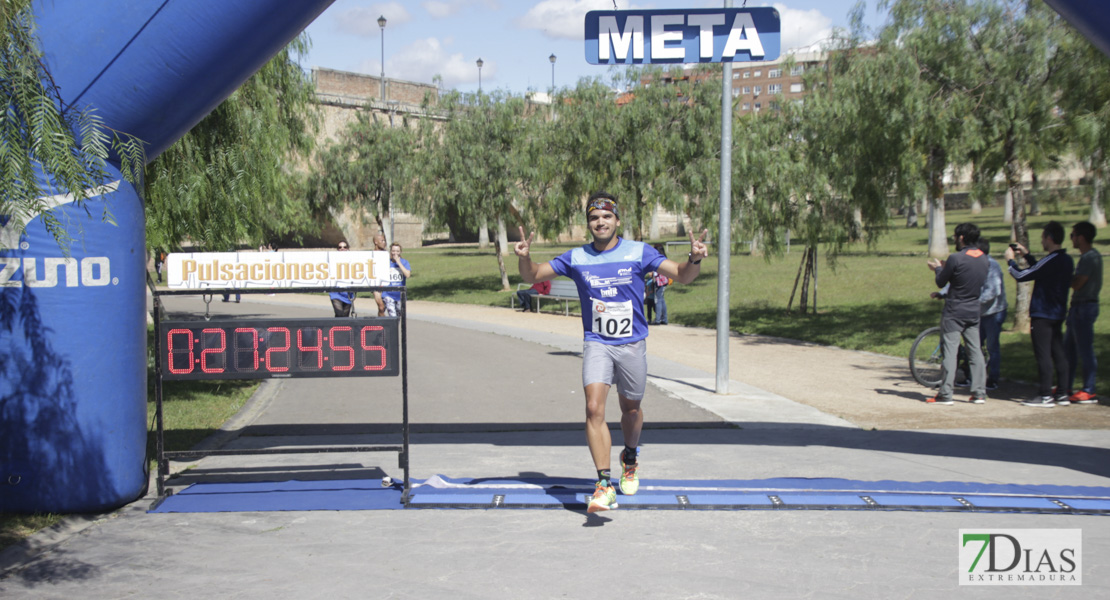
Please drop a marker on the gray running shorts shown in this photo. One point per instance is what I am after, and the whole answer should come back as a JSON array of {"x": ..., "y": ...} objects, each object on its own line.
[{"x": 624, "y": 365}]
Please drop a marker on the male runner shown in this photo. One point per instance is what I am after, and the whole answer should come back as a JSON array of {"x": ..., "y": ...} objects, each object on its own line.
[{"x": 610, "y": 273}]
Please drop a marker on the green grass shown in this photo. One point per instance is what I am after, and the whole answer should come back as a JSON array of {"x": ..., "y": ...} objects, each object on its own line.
[
  {"x": 192, "y": 410},
  {"x": 875, "y": 300}
]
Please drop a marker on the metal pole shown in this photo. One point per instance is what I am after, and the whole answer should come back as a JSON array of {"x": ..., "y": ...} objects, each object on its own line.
[
  {"x": 724, "y": 234},
  {"x": 392, "y": 108},
  {"x": 381, "y": 93}
]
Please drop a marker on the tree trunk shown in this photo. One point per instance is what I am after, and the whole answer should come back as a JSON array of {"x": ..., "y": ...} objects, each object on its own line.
[
  {"x": 483, "y": 234},
  {"x": 653, "y": 229},
  {"x": 911, "y": 214},
  {"x": 1021, "y": 234},
  {"x": 1034, "y": 197},
  {"x": 1098, "y": 213},
  {"x": 1008, "y": 207},
  {"x": 976, "y": 206},
  {"x": 502, "y": 245},
  {"x": 938, "y": 239}
]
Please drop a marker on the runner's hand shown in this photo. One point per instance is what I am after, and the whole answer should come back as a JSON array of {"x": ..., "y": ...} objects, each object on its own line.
[
  {"x": 522, "y": 247},
  {"x": 698, "y": 249}
]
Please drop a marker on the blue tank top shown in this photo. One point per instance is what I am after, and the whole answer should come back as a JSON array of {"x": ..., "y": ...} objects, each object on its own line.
[{"x": 611, "y": 288}]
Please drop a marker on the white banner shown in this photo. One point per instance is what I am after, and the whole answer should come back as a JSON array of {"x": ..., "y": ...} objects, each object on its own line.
[{"x": 243, "y": 270}]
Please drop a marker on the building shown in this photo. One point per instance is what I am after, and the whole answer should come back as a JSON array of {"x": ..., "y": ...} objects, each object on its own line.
[{"x": 756, "y": 85}]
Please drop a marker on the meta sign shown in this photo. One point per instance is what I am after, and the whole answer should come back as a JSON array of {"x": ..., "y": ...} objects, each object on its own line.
[{"x": 632, "y": 37}]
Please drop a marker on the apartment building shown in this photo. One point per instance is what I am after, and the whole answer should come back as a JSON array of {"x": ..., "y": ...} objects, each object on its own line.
[{"x": 758, "y": 85}]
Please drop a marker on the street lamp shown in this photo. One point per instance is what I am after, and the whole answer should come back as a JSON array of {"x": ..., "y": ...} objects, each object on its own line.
[
  {"x": 552, "y": 59},
  {"x": 480, "y": 63},
  {"x": 381, "y": 23}
]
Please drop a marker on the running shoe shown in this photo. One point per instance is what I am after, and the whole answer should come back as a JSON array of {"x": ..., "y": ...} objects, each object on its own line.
[
  {"x": 1062, "y": 400},
  {"x": 939, "y": 400},
  {"x": 978, "y": 399},
  {"x": 1041, "y": 401},
  {"x": 605, "y": 498},
  {"x": 630, "y": 481},
  {"x": 1082, "y": 397}
]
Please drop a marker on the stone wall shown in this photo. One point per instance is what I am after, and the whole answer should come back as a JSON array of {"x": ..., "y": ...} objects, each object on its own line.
[{"x": 341, "y": 96}]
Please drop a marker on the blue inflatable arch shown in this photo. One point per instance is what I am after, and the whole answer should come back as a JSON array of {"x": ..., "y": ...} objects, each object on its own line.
[{"x": 73, "y": 329}]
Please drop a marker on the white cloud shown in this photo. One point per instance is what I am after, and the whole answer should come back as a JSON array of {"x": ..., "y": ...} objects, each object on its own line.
[
  {"x": 802, "y": 27},
  {"x": 424, "y": 59},
  {"x": 441, "y": 9},
  {"x": 363, "y": 20},
  {"x": 562, "y": 19}
]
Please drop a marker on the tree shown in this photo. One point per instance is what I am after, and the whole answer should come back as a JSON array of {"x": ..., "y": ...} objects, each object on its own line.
[
  {"x": 934, "y": 37},
  {"x": 472, "y": 165},
  {"x": 627, "y": 145},
  {"x": 231, "y": 179},
  {"x": 1013, "y": 58},
  {"x": 1085, "y": 75},
  {"x": 43, "y": 139},
  {"x": 362, "y": 169}
]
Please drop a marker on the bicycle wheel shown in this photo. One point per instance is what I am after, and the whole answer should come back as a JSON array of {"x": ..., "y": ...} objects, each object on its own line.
[{"x": 925, "y": 358}]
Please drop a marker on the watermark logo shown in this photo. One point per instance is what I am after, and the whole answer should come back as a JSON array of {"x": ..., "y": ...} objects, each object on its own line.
[{"x": 1021, "y": 557}]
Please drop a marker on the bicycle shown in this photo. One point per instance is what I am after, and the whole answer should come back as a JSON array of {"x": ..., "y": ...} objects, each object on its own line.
[{"x": 926, "y": 356}]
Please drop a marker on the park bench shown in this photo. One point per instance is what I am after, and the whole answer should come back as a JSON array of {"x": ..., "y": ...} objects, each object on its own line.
[{"x": 562, "y": 289}]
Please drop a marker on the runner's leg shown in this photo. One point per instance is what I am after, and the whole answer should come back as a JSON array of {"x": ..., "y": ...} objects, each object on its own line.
[{"x": 597, "y": 430}]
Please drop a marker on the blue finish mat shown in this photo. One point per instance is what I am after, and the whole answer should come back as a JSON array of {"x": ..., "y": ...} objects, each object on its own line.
[
  {"x": 570, "y": 493},
  {"x": 266, "y": 496}
]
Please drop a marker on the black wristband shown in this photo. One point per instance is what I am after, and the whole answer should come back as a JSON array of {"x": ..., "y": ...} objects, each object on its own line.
[{"x": 689, "y": 258}]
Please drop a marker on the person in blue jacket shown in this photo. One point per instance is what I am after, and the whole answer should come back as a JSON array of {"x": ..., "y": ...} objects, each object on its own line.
[
  {"x": 1048, "y": 308},
  {"x": 399, "y": 272},
  {"x": 609, "y": 273}
]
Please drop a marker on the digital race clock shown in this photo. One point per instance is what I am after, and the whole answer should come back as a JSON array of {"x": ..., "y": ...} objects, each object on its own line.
[{"x": 265, "y": 348}]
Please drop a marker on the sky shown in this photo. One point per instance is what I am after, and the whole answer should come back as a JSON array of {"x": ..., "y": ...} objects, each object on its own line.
[{"x": 514, "y": 38}]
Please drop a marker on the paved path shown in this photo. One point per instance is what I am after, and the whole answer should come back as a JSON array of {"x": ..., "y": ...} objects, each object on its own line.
[{"x": 498, "y": 395}]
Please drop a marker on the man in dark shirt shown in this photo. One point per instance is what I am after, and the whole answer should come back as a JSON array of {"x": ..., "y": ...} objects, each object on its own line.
[
  {"x": 1079, "y": 342},
  {"x": 964, "y": 272},
  {"x": 1047, "y": 309}
]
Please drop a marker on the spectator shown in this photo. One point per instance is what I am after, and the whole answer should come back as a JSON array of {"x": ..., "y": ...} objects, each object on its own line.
[
  {"x": 661, "y": 283},
  {"x": 1079, "y": 343},
  {"x": 964, "y": 272},
  {"x": 1047, "y": 310},
  {"x": 399, "y": 272},
  {"x": 159, "y": 260},
  {"x": 649, "y": 296},
  {"x": 992, "y": 315},
  {"x": 379, "y": 246},
  {"x": 525, "y": 296},
  {"x": 342, "y": 302}
]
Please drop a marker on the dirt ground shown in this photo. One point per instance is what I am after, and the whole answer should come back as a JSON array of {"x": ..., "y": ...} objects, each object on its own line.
[{"x": 869, "y": 390}]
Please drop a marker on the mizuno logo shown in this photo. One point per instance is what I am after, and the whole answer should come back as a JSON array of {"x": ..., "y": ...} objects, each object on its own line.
[{"x": 91, "y": 271}]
